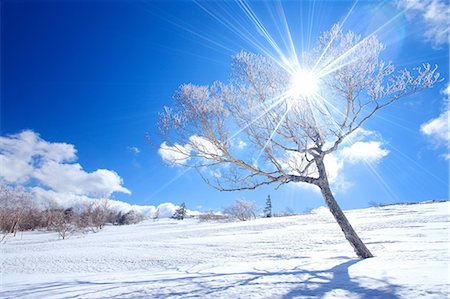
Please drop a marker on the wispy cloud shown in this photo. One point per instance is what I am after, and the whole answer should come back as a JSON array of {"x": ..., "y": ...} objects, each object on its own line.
[
  {"x": 434, "y": 15},
  {"x": 134, "y": 150}
]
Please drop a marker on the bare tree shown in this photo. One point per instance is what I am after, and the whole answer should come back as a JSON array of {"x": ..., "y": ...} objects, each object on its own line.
[
  {"x": 18, "y": 211},
  {"x": 241, "y": 209},
  {"x": 100, "y": 213},
  {"x": 292, "y": 114},
  {"x": 62, "y": 222},
  {"x": 95, "y": 215},
  {"x": 85, "y": 220}
]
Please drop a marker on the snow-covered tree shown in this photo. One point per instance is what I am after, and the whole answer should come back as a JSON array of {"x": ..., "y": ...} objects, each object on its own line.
[
  {"x": 292, "y": 114},
  {"x": 268, "y": 207},
  {"x": 131, "y": 217},
  {"x": 180, "y": 212}
]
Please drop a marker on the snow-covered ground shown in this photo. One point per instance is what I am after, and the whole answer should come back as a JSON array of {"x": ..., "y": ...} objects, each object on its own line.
[{"x": 302, "y": 256}]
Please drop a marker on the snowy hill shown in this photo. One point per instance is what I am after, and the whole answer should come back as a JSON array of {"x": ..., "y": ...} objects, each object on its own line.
[{"x": 303, "y": 256}]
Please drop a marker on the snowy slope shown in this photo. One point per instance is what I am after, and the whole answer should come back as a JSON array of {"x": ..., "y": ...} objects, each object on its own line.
[{"x": 302, "y": 256}]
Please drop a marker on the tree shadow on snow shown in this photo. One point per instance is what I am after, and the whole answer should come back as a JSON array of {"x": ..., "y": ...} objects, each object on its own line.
[
  {"x": 297, "y": 282},
  {"x": 340, "y": 280}
]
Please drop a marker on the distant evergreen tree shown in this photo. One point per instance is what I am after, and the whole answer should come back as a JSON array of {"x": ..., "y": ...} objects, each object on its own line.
[
  {"x": 180, "y": 213},
  {"x": 268, "y": 208}
]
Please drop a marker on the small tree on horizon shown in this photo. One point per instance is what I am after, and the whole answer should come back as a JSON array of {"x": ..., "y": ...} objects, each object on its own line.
[
  {"x": 268, "y": 208},
  {"x": 290, "y": 128},
  {"x": 180, "y": 212}
]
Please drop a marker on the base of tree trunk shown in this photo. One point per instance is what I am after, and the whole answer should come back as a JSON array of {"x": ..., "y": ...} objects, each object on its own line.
[{"x": 350, "y": 234}]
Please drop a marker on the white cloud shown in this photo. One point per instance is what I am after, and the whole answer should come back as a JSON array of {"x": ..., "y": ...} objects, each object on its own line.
[
  {"x": 446, "y": 91},
  {"x": 333, "y": 165},
  {"x": 434, "y": 15},
  {"x": 25, "y": 157},
  {"x": 49, "y": 171},
  {"x": 166, "y": 210},
  {"x": 370, "y": 152},
  {"x": 48, "y": 198},
  {"x": 438, "y": 129},
  {"x": 241, "y": 144},
  {"x": 204, "y": 148},
  {"x": 295, "y": 162},
  {"x": 176, "y": 154},
  {"x": 197, "y": 146},
  {"x": 14, "y": 170},
  {"x": 71, "y": 178},
  {"x": 362, "y": 150},
  {"x": 21, "y": 153},
  {"x": 134, "y": 150}
]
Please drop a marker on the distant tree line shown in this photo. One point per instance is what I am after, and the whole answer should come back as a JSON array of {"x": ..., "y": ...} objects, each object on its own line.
[
  {"x": 244, "y": 210},
  {"x": 19, "y": 212}
]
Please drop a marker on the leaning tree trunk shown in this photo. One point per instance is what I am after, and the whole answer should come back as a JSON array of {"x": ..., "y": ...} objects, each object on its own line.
[{"x": 350, "y": 234}]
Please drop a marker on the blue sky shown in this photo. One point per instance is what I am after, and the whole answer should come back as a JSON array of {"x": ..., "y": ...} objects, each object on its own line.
[{"x": 96, "y": 74}]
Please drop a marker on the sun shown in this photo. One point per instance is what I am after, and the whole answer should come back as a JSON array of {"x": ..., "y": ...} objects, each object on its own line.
[{"x": 304, "y": 84}]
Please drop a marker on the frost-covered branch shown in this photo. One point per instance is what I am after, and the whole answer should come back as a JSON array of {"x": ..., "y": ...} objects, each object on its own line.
[{"x": 285, "y": 136}]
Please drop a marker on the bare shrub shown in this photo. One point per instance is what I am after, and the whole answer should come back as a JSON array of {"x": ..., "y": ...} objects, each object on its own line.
[{"x": 211, "y": 216}]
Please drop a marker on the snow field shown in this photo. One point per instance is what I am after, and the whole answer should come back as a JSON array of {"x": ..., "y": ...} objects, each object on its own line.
[{"x": 304, "y": 256}]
